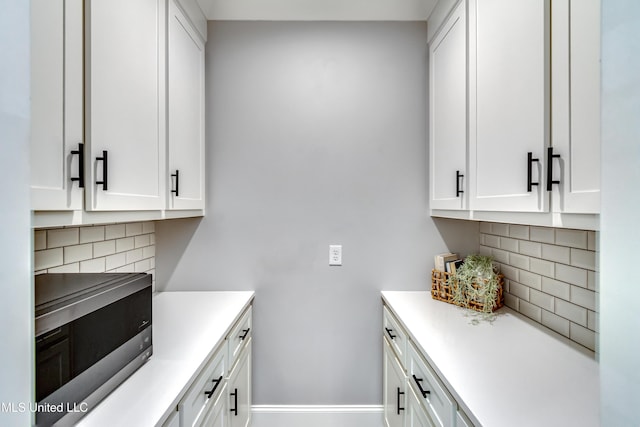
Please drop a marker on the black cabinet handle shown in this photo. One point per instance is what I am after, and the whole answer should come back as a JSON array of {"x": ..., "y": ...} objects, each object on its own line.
[
  {"x": 550, "y": 157},
  {"x": 530, "y": 161},
  {"x": 105, "y": 167},
  {"x": 389, "y": 332},
  {"x": 400, "y": 393},
  {"x": 459, "y": 189},
  {"x": 177, "y": 176},
  {"x": 215, "y": 386},
  {"x": 235, "y": 402},
  {"x": 423, "y": 391},
  {"x": 246, "y": 332},
  {"x": 80, "y": 153}
]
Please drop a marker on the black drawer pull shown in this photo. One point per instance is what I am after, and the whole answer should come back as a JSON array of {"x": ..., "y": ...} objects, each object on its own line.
[
  {"x": 550, "y": 157},
  {"x": 235, "y": 402},
  {"x": 177, "y": 177},
  {"x": 216, "y": 383},
  {"x": 423, "y": 391},
  {"x": 105, "y": 163},
  {"x": 459, "y": 189},
  {"x": 400, "y": 393},
  {"x": 530, "y": 161},
  {"x": 246, "y": 332},
  {"x": 389, "y": 332},
  {"x": 80, "y": 153}
]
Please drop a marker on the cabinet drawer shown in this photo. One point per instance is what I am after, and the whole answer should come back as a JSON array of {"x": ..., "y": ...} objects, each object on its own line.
[
  {"x": 430, "y": 391},
  {"x": 204, "y": 391},
  {"x": 396, "y": 336},
  {"x": 240, "y": 334}
]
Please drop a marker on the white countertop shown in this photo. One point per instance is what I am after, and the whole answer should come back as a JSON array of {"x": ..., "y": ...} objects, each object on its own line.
[
  {"x": 187, "y": 329},
  {"x": 508, "y": 373}
]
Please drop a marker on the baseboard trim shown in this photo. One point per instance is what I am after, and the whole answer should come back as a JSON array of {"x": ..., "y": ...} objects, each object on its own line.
[{"x": 317, "y": 409}]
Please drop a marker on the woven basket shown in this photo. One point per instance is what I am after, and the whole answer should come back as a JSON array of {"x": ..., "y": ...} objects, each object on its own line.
[{"x": 442, "y": 291}]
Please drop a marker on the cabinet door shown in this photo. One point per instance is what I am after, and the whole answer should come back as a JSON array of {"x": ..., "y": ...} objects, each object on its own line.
[
  {"x": 56, "y": 104},
  {"x": 217, "y": 415},
  {"x": 125, "y": 111},
  {"x": 576, "y": 105},
  {"x": 448, "y": 113},
  {"x": 509, "y": 103},
  {"x": 417, "y": 415},
  {"x": 239, "y": 390},
  {"x": 394, "y": 389},
  {"x": 185, "y": 76}
]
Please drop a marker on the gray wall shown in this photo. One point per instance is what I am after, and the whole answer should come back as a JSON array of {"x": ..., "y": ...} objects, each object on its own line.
[
  {"x": 316, "y": 135},
  {"x": 16, "y": 306},
  {"x": 620, "y": 231}
]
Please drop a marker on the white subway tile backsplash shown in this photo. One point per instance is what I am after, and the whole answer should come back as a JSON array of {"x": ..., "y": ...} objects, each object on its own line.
[
  {"x": 556, "y": 253},
  {"x": 572, "y": 312},
  {"x": 91, "y": 234},
  {"x": 95, "y": 249},
  {"x": 133, "y": 229},
  {"x": 508, "y": 244},
  {"x": 583, "y": 259},
  {"x": 572, "y": 238},
  {"x": 493, "y": 241},
  {"x": 583, "y": 297},
  {"x": 67, "y": 268},
  {"x": 40, "y": 240},
  {"x": 530, "y": 279},
  {"x": 116, "y": 261},
  {"x": 134, "y": 255},
  {"x": 59, "y": 237},
  {"x": 542, "y": 267},
  {"x": 532, "y": 311},
  {"x": 78, "y": 253},
  {"x": 500, "y": 229},
  {"x": 550, "y": 275},
  {"x": 519, "y": 290},
  {"x": 591, "y": 280},
  {"x": 557, "y": 323},
  {"x": 115, "y": 231},
  {"x": 48, "y": 258},
  {"x": 125, "y": 244},
  {"x": 519, "y": 261},
  {"x": 541, "y": 300},
  {"x": 573, "y": 275},
  {"x": 542, "y": 234},
  {"x": 533, "y": 249},
  {"x": 141, "y": 241},
  {"x": 96, "y": 265},
  {"x": 556, "y": 288},
  {"x": 148, "y": 227},
  {"x": 511, "y": 301},
  {"x": 499, "y": 255},
  {"x": 583, "y": 336},
  {"x": 519, "y": 231},
  {"x": 100, "y": 249}
]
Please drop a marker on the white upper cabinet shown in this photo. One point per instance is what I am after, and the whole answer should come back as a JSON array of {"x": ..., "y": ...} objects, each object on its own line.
[
  {"x": 576, "y": 105},
  {"x": 509, "y": 103},
  {"x": 185, "y": 92},
  {"x": 125, "y": 104},
  {"x": 56, "y": 104},
  {"x": 448, "y": 113}
]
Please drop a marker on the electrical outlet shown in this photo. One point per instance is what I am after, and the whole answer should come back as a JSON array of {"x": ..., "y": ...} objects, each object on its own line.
[{"x": 335, "y": 254}]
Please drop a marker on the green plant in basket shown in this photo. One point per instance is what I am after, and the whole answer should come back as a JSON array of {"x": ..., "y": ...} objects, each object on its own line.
[{"x": 475, "y": 280}]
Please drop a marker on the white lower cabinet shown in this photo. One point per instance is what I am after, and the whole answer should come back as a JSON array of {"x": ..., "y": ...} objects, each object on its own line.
[
  {"x": 394, "y": 394},
  {"x": 413, "y": 395},
  {"x": 218, "y": 413},
  {"x": 239, "y": 390},
  {"x": 417, "y": 415}
]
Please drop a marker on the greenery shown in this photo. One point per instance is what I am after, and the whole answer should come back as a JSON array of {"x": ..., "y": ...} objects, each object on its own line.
[{"x": 476, "y": 280}]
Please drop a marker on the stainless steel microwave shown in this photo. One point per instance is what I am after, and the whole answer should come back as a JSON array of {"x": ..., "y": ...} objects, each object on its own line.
[{"x": 92, "y": 330}]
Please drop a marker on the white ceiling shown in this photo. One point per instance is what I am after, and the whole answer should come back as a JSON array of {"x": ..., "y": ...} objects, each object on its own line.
[{"x": 318, "y": 10}]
